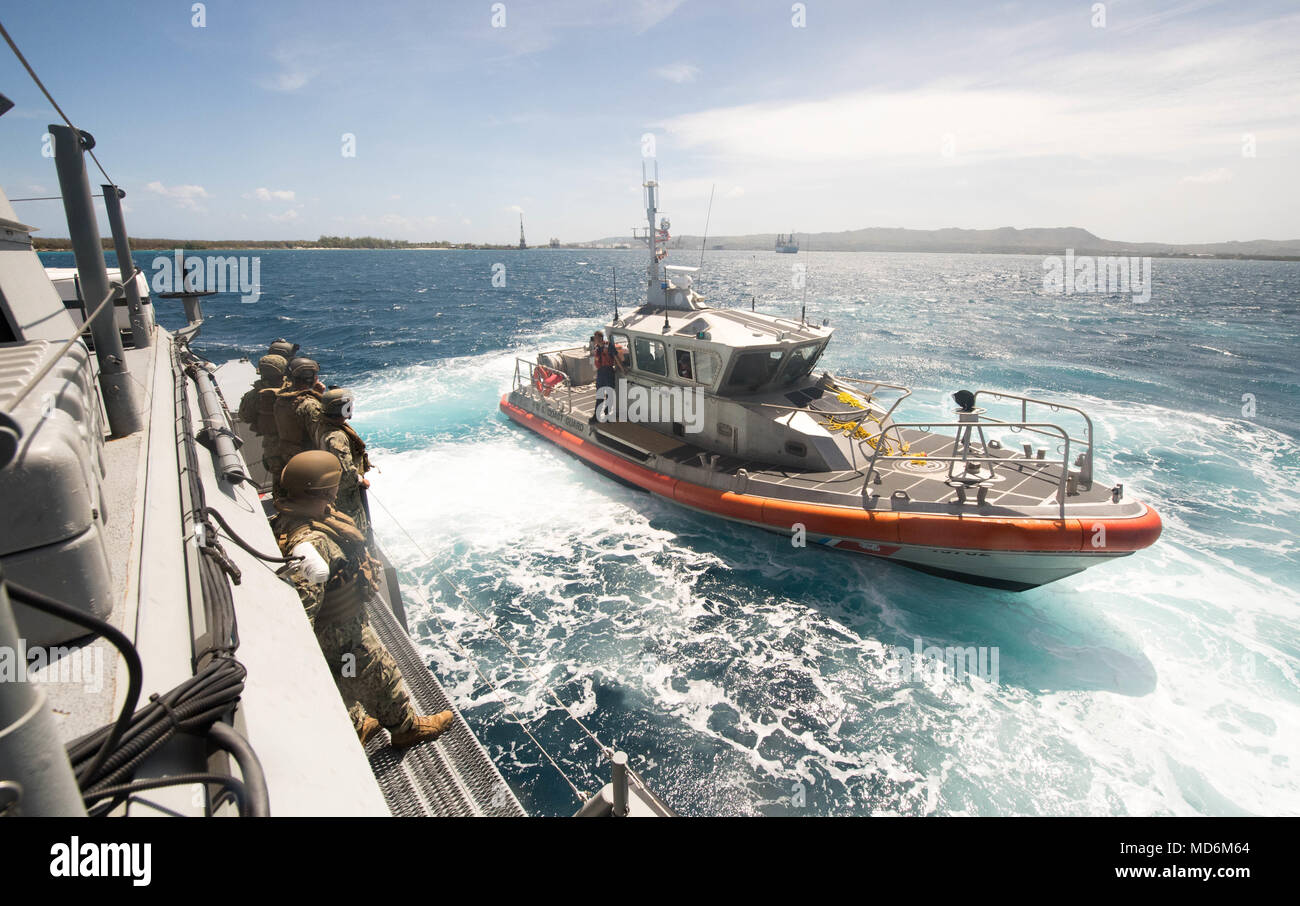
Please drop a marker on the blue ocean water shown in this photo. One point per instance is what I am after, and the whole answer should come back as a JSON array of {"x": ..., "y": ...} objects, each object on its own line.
[{"x": 747, "y": 677}]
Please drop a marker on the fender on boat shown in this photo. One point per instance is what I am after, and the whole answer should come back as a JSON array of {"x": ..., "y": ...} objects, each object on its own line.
[{"x": 935, "y": 530}]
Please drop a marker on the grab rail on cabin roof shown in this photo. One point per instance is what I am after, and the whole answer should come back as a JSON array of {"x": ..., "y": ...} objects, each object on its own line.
[{"x": 1044, "y": 428}]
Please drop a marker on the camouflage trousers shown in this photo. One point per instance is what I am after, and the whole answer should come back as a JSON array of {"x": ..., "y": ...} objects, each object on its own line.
[{"x": 366, "y": 674}]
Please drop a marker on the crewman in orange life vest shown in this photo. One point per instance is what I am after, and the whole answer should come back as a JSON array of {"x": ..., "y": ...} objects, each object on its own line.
[{"x": 607, "y": 359}]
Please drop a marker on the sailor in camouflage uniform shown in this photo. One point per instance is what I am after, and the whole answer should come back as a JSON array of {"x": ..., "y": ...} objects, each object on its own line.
[
  {"x": 257, "y": 408},
  {"x": 297, "y": 408},
  {"x": 335, "y": 578},
  {"x": 335, "y": 435}
]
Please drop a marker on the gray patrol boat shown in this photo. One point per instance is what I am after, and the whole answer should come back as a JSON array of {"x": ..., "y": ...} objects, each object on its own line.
[{"x": 722, "y": 411}]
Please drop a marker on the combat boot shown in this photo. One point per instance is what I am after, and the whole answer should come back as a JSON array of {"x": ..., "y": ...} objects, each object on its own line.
[
  {"x": 369, "y": 727},
  {"x": 427, "y": 726}
]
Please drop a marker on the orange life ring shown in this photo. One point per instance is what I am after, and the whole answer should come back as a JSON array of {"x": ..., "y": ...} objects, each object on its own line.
[{"x": 546, "y": 380}]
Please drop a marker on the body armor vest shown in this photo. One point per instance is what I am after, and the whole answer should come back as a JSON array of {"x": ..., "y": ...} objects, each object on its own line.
[
  {"x": 293, "y": 436},
  {"x": 350, "y": 583},
  {"x": 266, "y": 425}
]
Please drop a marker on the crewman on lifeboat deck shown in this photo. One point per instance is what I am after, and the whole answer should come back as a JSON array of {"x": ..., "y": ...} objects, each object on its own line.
[
  {"x": 335, "y": 579},
  {"x": 605, "y": 356}
]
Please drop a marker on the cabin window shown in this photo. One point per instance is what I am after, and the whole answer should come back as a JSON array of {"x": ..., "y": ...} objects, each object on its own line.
[
  {"x": 724, "y": 430},
  {"x": 796, "y": 449},
  {"x": 800, "y": 362},
  {"x": 620, "y": 343},
  {"x": 684, "y": 369},
  {"x": 651, "y": 356},
  {"x": 707, "y": 366},
  {"x": 752, "y": 370}
]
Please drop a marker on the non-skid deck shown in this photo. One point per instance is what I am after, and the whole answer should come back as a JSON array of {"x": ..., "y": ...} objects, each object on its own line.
[
  {"x": 1020, "y": 482},
  {"x": 450, "y": 777}
]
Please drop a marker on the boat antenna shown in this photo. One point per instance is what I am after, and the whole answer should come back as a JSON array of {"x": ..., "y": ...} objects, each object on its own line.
[
  {"x": 614, "y": 272},
  {"x": 753, "y": 260},
  {"x": 705, "y": 239},
  {"x": 803, "y": 315}
]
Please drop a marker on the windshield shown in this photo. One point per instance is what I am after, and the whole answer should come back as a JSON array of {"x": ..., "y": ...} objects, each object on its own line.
[
  {"x": 752, "y": 370},
  {"x": 800, "y": 361}
]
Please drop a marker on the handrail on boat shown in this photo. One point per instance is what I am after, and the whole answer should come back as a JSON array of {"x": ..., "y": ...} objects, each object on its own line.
[
  {"x": 1046, "y": 428},
  {"x": 906, "y": 391},
  {"x": 860, "y": 414},
  {"x": 1085, "y": 462},
  {"x": 525, "y": 382}
]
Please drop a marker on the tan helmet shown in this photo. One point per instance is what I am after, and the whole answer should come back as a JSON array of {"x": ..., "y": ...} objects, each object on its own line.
[
  {"x": 272, "y": 368},
  {"x": 283, "y": 348},
  {"x": 311, "y": 472},
  {"x": 302, "y": 367},
  {"x": 337, "y": 403}
]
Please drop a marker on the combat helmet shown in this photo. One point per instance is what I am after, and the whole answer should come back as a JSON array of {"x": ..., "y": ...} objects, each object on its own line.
[
  {"x": 310, "y": 473},
  {"x": 301, "y": 366},
  {"x": 271, "y": 368},
  {"x": 337, "y": 403},
  {"x": 283, "y": 348}
]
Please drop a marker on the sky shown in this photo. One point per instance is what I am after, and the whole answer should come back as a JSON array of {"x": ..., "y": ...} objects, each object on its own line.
[{"x": 1140, "y": 121}]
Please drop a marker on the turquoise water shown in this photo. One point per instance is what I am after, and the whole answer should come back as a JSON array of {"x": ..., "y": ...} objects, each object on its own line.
[{"x": 744, "y": 676}]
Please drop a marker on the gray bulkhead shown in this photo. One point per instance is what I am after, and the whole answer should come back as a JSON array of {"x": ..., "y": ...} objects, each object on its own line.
[{"x": 739, "y": 422}]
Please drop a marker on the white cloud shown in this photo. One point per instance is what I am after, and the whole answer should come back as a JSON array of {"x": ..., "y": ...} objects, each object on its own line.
[
  {"x": 1222, "y": 174},
  {"x": 678, "y": 72},
  {"x": 262, "y": 194},
  {"x": 530, "y": 34},
  {"x": 289, "y": 216},
  {"x": 186, "y": 196},
  {"x": 515, "y": 209},
  {"x": 1184, "y": 100},
  {"x": 299, "y": 63}
]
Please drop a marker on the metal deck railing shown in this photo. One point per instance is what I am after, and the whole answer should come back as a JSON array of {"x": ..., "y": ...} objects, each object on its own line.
[
  {"x": 969, "y": 476},
  {"x": 533, "y": 374}
]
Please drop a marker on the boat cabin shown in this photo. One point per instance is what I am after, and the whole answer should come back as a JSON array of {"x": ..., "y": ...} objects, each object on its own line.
[{"x": 726, "y": 352}]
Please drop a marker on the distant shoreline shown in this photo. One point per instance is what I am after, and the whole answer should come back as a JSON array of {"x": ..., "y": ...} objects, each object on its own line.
[{"x": 167, "y": 245}]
